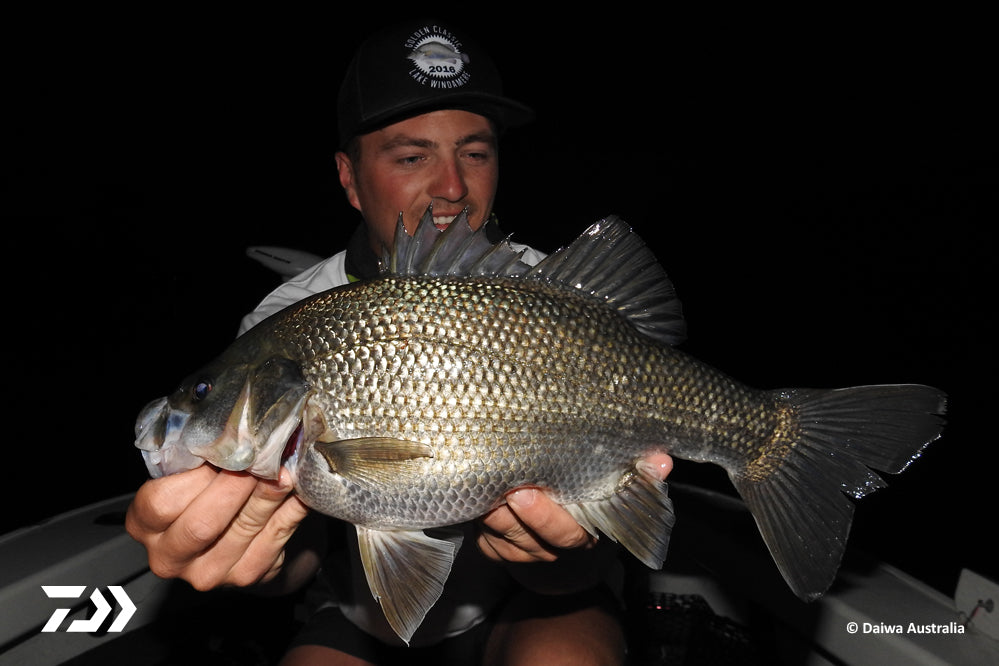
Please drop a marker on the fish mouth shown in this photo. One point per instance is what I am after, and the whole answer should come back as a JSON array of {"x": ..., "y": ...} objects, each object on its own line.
[
  {"x": 163, "y": 458},
  {"x": 263, "y": 431},
  {"x": 310, "y": 425},
  {"x": 293, "y": 445},
  {"x": 156, "y": 435}
]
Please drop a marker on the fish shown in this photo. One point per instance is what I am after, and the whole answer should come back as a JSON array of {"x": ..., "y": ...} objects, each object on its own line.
[
  {"x": 437, "y": 52},
  {"x": 419, "y": 399}
]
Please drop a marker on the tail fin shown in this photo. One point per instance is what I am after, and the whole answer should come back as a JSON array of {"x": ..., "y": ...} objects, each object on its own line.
[{"x": 797, "y": 494}]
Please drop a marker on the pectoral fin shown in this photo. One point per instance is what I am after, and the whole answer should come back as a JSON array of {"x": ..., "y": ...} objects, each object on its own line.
[
  {"x": 639, "y": 516},
  {"x": 371, "y": 460},
  {"x": 406, "y": 572}
]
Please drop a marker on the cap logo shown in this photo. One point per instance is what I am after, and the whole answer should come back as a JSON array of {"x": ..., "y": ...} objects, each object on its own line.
[{"x": 437, "y": 58}]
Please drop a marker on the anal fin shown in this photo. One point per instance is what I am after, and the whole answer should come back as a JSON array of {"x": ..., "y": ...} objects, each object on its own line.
[
  {"x": 639, "y": 516},
  {"x": 406, "y": 572}
]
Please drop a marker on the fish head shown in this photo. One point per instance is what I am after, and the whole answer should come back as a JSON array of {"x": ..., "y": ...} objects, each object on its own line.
[{"x": 241, "y": 416}]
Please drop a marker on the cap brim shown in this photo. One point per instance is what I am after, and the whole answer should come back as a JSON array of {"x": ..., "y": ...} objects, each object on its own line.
[{"x": 503, "y": 111}]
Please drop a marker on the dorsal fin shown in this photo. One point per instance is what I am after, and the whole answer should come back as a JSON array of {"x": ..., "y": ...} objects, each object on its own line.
[
  {"x": 610, "y": 262},
  {"x": 458, "y": 250},
  {"x": 607, "y": 262}
]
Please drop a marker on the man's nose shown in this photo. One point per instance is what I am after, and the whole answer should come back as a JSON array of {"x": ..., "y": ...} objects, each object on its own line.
[{"x": 449, "y": 183}]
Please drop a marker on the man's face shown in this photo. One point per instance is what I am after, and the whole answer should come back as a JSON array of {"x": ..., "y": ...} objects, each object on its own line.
[{"x": 447, "y": 158}]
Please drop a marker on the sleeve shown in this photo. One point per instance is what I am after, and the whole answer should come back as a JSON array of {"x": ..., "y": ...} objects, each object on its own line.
[{"x": 324, "y": 275}]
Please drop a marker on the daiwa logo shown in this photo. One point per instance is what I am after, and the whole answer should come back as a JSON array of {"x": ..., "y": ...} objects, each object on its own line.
[{"x": 95, "y": 622}]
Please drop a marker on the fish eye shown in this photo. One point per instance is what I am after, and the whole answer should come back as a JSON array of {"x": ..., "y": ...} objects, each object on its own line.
[{"x": 201, "y": 390}]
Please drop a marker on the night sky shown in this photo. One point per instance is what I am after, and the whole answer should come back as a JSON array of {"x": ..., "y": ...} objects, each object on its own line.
[{"x": 823, "y": 197}]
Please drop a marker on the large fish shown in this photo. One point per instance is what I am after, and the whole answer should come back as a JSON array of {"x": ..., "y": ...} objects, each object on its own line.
[{"x": 420, "y": 398}]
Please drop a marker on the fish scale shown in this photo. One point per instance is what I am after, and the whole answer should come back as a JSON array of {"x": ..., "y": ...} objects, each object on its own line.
[
  {"x": 419, "y": 399},
  {"x": 519, "y": 416}
]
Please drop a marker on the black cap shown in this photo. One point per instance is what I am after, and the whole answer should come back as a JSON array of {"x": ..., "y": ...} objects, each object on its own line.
[{"x": 416, "y": 67}]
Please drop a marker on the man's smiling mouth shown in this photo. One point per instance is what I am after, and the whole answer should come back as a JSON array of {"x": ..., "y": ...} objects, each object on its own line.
[{"x": 442, "y": 221}]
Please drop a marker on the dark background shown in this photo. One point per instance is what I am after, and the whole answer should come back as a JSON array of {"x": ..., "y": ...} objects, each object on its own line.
[{"x": 821, "y": 189}]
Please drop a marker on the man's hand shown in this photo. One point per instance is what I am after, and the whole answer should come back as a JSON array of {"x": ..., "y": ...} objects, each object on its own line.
[
  {"x": 215, "y": 528},
  {"x": 530, "y": 527}
]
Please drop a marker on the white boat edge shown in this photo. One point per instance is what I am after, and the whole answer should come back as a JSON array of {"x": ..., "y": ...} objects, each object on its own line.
[{"x": 89, "y": 547}]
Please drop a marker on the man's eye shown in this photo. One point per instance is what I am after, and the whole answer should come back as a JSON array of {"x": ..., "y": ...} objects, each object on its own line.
[{"x": 478, "y": 156}]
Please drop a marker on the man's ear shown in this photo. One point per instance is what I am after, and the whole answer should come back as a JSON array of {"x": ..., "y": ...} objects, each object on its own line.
[{"x": 348, "y": 180}]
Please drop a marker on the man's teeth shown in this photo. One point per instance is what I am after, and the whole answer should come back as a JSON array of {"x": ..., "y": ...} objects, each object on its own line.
[{"x": 442, "y": 221}]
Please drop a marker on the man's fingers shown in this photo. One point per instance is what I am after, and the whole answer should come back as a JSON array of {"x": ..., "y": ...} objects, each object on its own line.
[
  {"x": 264, "y": 555},
  {"x": 214, "y": 527},
  {"x": 159, "y": 502},
  {"x": 659, "y": 465},
  {"x": 265, "y": 499},
  {"x": 209, "y": 514},
  {"x": 503, "y": 537},
  {"x": 546, "y": 519},
  {"x": 530, "y": 527},
  {"x": 241, "y": 539},
  {"x": 254, "y": 543}
]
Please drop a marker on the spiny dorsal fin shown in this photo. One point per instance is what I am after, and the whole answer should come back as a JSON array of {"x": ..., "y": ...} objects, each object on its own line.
[
  {"x": 458, "y": 250},
  {"x": 607, "y": 262}
]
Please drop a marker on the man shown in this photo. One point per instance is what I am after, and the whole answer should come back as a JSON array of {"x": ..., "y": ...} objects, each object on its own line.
[{"x": 420, "y": 111}]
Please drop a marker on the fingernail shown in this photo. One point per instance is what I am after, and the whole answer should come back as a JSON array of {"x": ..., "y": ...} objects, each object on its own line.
[
  {"x": 657, "y": 471},
  {"x": 522, "y": 498},
  {"x": 285, "y": 482}
]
